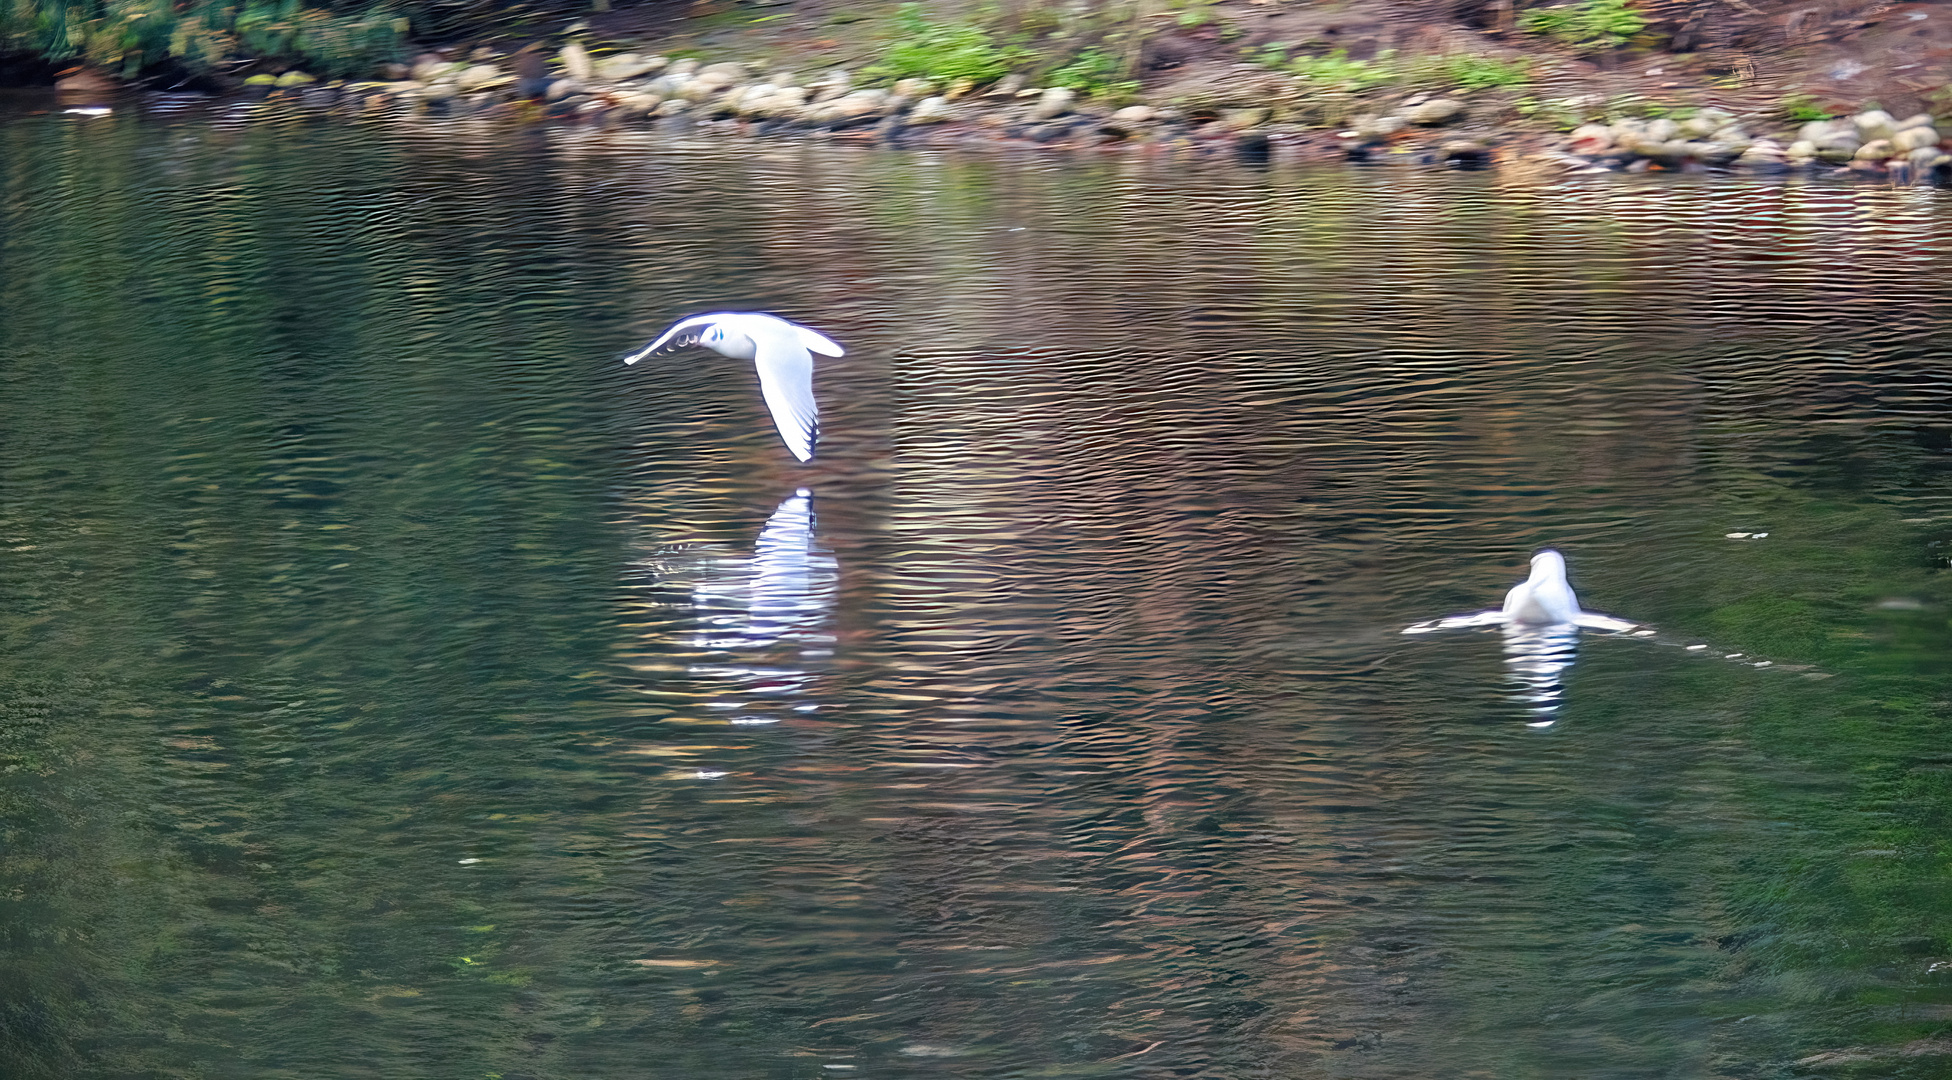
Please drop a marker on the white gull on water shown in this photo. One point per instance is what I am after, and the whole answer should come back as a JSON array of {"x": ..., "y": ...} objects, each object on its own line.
[
  {"x": 1541, "y": 620},
  {"x": 1543, "y": 599},
  {"x": 783, "y": 353}
]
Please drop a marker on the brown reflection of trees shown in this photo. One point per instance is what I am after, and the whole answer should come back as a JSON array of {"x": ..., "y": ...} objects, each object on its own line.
[{"x": 1132, "y": 474}]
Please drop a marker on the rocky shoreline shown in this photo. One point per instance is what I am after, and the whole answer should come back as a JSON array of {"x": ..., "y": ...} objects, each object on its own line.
[
  {"x": 626, "y": 88},
  {"x": 1872, "y": 145}
]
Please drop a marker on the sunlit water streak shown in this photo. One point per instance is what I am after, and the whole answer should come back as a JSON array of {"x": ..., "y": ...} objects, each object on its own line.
[{"x": 398, "y": 685}]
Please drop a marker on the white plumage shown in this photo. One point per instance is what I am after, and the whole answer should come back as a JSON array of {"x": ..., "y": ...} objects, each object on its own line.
[
  {"x": 1545, "y": 598},
  {"x": 781, "y": 350}
]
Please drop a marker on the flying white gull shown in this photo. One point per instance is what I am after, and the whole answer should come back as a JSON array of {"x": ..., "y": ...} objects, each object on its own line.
[{"x": 782, "y": 351}]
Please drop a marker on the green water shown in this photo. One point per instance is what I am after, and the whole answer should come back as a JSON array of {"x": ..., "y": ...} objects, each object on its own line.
[{"x": 393, "y": 684}]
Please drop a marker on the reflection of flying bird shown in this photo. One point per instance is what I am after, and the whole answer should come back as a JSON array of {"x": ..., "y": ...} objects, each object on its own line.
[
  {"x": 785, "y": 592},
  {"x": 782, "y": 351},
  {"x": 793, "y": 581}
]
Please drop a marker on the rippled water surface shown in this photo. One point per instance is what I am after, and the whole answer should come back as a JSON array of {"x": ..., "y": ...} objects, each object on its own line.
[{"x": 393, "y": 684}]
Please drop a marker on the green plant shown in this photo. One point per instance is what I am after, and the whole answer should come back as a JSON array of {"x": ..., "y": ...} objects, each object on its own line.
[
  {"x": 333, "y": 45},
  {"x": 1195, "y": 13},
  {"x": 1802, "y": 108},
  {"x": 1096, "y": 73},
  {"x": 1039, "y": 22},
  {"x": 1336, "y": 72},
  {"x": 1563, "y": 114},
  {"x": 1633, "y": 105},
  {"x": 944, "y": 51},
  {"x": 1595, "y": 24},
  {"x": 131, "y": 35},
  {"x": 1485, "y": 72}
]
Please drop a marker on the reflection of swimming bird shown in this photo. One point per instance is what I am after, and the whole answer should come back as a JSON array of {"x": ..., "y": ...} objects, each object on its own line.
[
  {"x": 1541, "y": 620},
  {"x": 782, "y": 351},
  {"x": 1536, "y": 658}
]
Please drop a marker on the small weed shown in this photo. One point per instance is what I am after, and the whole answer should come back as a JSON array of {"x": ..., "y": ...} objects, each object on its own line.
[
  {"x": 1039, "y": 22},
  {"x": 943, "y": 51},
  {"x": 1591, "y": 26},
  {"x": 1096, "y": 73},
  {"x": 1564, "y": 114},
  {"x": 1486, "y": 72},
  {"x": 1635, "y": 106},
  {"x": 1802, "y": 108},
  {"x": 1193, "y": 13},
  {"x": 1336, "y": 72}
]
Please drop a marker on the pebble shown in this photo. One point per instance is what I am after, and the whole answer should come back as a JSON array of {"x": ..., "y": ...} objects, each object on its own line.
[
  {"x": 1007, "y": 86},
  {"x": 1877, "y": 150},
  {"x": 1466, "y": 153},
  {"x": 1434, "y": 112},
  {"x": 637, "y": 104},
  {"x": 855, "y": 106},
  {"x": 576, "y": 62},
  {"x": 1875, "y": 125},
  {"x": 428, "y": 68},
  {"x": 1243, "y": 119},
  {"x": 722, "y": 75},
  {"x": 932, "y": 110},
  {"x": 1591, "y": 139},
  {"x": 1053, "y": 103},
  {"x": 477, "y": 76},
  {"x": 1915, "y": 138},
  {"x": 834, "y": 84}
]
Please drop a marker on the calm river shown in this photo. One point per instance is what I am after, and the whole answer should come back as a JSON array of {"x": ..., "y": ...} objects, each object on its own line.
[{"x": 395, "y": 685}]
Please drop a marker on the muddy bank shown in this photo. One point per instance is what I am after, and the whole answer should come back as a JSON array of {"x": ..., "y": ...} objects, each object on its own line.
[
  {"x": 1367, "y": 82},
  {"x": 1458, "y": 130}
]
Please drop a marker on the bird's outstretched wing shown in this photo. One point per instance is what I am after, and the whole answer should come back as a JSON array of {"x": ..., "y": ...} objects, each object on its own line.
[
  {"x": 1593, "y": 620},
  {"x": 682, "y": 333},
  {"x": 786, "y": 378},
  {"x": 818, "y": 342}
]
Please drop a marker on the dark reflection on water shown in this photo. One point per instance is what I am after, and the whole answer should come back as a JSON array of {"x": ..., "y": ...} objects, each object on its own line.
[{"x": 396, "y": 685}]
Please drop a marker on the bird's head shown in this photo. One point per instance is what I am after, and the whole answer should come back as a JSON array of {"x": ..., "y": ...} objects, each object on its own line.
[{"x": 1548, "y": 565}]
